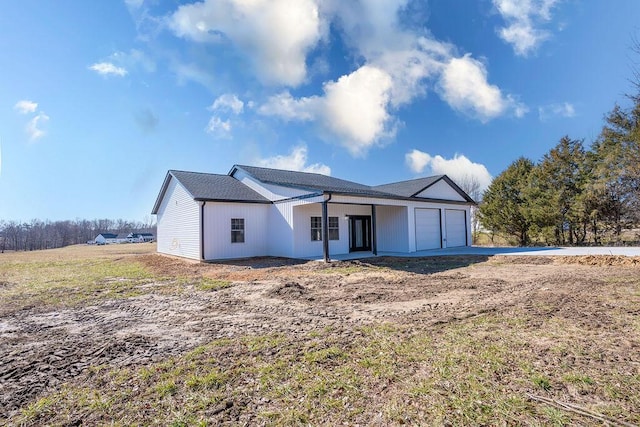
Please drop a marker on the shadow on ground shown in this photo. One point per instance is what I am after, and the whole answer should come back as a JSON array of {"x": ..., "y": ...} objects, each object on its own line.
[{"x": 424, "y": 265}]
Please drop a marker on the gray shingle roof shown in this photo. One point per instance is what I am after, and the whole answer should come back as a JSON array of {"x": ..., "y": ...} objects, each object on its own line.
[
  {"x": 215, "y": 187},
  {"x": 311, "y": 181},
  {"x": 108, "y": 235},
  {"x": 412, "y": 187},
  {"x": 210, "y": 187},
  {"x": 408, "y": 188}
]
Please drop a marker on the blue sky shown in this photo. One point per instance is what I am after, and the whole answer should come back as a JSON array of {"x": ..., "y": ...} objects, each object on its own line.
[{"x": 99, "y": 99}]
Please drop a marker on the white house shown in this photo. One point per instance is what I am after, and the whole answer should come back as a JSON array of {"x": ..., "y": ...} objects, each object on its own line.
[
  {"x": 105, "y": 238},
  {"x": 255, "y": 211},
  {"x": 139, "y": 237},
  {"x": 111, "y": 238}
]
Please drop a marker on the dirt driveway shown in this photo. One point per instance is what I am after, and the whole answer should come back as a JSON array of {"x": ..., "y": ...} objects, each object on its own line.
[{"x": 41, "y": 346}]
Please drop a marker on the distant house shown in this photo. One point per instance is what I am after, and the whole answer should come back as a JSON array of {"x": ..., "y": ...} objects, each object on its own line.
[
  {"x": 105, "y": 238},
  {"x": 140, "y": 237},
  {"x": 111, "y": 238},
  {"x": 255, "y": 211}
]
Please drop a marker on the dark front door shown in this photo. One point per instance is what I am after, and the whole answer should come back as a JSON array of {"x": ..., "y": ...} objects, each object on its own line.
[{"x": 359, "y": 233}]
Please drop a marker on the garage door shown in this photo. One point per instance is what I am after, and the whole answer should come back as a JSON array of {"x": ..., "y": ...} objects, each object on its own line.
[
  {"x": 427, "y": 229},
  {"x": 456, "y": 228}
]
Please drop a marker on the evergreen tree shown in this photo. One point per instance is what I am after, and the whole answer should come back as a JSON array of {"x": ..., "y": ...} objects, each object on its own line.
[
  {"x": 555, "y": 205},
  {"x": 503, "y": 209}
]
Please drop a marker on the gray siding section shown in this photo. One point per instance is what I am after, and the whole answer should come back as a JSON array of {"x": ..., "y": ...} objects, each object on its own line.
[
  {"x": 179, "y": 223},
  {"x": 392, "y": 229}
]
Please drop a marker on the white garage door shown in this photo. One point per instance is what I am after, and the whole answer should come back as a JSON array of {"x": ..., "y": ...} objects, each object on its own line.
[
  {"x": 427, "y": 229},
  {"x": 456, "y": 228}
]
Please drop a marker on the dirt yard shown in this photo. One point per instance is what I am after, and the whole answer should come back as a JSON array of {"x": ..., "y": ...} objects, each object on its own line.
[{"x": 53, "y": 337}]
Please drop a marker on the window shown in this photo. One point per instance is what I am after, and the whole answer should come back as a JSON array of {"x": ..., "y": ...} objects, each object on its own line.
[
  {"x": 237, "y": 230},
  {"x": 334, "y": 228},
  {"x": 316, "y": 228}
]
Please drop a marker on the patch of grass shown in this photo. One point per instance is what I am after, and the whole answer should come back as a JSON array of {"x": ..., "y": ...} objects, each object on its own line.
[
  {"x": 208, "y": 381},
  {"x": 72, "y": 282},
  {"x": 208, "y": 284},
  {"x": 463, "y": 373},
  {"x": 41, "y": 408},
  {"x": 541, "y": 382},
  {"x": 579, "y": 379},
  {"x": 166, "y": 388}
]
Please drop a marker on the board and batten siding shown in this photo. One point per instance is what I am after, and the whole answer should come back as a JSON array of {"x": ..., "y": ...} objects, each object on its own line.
[
  {"x": 392, "y": 229},
  {"x": 179, "y": 223},
  {"x": 217, "y": 230}
]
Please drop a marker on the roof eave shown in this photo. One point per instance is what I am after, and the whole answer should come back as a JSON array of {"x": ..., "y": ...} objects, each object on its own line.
[
  {"x": 163, "y": 190},
  {"x": 413, "y": 199},
  {"x": 204, "y": 199}
]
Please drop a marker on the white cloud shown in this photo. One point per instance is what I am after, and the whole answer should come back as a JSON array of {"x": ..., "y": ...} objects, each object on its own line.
[
  {"x": 564, "y": 109},
  {"x": 396, "y": 63},
  {"x": 296, "y": 160},
  {"x": 107, "y": 69},
  {"x": 25, "y": 106},
  {"x": 34, "y": 127},
  {"x": 354, "y": 108},
  {"x": 218, "y": 126},
  {"x": 524, "y": 18},
  {"x": 277, "y": 34},
  {"x": 286, "y": 107},
  {"x": 464, "y": 86},
  {"x": 460, "y": 169},
  {"x": 228, "y": 102}
]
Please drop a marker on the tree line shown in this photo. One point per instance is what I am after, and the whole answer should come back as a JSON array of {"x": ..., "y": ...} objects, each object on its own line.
[
  {"x": 575, "y": 195},
  {"x": 44, "y": 234}
]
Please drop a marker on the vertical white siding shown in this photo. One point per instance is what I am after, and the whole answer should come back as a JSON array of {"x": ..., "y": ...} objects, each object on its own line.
[
  {"x": 392, "y": 228},
  {"x": 179, "y": 223},
  {"x": 217, "y": 230},
  {"x": 280, "y": 236}
]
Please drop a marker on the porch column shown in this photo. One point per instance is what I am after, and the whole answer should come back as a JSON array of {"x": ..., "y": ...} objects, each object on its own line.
[
  {"x": 325, "y": 232},
  {"x": 374, "y": 234}
]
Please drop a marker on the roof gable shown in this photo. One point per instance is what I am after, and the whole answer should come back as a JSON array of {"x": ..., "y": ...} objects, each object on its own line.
[
  {"x": 210, "y": 187},
  {"x": 439, "y": 187}
]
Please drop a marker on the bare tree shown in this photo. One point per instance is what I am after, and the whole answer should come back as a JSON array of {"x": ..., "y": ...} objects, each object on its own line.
[{"x": 471, "y": 185}]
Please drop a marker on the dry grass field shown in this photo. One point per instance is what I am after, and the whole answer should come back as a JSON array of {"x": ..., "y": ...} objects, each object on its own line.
[{"x": 117, "y": 335}]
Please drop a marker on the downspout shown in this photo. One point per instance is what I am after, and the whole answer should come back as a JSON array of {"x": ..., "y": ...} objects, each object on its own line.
[
  {"x": 325, "y": 229},
  {"x": 374, "y": 237},
  {"x": 202, "y": 230}
]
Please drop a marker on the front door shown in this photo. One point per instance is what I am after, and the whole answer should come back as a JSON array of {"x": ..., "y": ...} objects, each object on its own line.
[{"x": 359, "y": 233}]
